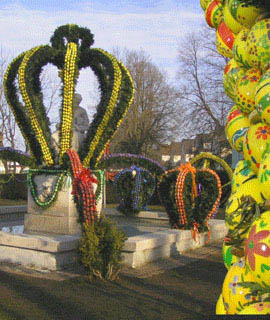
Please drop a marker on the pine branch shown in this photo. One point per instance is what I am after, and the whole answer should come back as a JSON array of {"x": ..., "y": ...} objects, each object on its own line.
[{"x": 261, "y": 4}]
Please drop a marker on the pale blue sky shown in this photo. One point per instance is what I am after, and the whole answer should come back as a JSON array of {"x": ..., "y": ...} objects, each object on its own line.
[{"x": 156, "y": 26}]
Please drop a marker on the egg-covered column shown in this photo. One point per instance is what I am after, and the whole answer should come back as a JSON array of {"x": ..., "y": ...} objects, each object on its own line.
[{"x": 243, "y": 35}]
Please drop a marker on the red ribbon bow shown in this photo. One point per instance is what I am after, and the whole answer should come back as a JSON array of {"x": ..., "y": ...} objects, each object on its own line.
[{"x": 83, "y": 176}]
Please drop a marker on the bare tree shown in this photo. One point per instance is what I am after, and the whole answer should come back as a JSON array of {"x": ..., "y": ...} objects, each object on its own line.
[
  {"x": 7, "y": 122},
  {"x": 150, "y": 119},
  {"x": 204, "y": 104}
]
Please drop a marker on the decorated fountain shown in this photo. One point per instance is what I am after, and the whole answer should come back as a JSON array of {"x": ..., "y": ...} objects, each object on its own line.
[
  {"x": 242, "y": 35},
  {"x": 65, "y": 184}
]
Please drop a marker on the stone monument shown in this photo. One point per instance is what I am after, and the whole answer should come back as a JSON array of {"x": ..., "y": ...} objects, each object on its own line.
[
  {"x": 52, "y": 229},
  {"x": 80, "y": 125}
]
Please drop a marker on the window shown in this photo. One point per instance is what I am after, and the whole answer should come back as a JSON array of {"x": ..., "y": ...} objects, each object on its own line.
[
  {"x": 207, "y": 145},
  {"x": 188, "y": 157},
  {"x": 176, "y": 158},
  {"x": 165, "y": 158}
]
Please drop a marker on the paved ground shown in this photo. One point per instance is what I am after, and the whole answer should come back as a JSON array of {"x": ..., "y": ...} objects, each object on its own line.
[{"x": 185, "y": 287}]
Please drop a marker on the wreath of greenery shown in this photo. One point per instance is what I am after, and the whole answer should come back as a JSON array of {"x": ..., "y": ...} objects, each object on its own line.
[
  {"x": 197, "y": 210},
  {"x": 7, "y": 153},
  {"x": 134, "y": 187}
]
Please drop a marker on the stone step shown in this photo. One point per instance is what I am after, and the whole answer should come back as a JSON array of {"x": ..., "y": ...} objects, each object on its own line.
[{"x": 12, "y": 213}]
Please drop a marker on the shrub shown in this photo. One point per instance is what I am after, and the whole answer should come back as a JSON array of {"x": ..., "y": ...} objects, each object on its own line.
[
  {"x": 100, "y": 249},
  {"x": 13, "y": 186}
]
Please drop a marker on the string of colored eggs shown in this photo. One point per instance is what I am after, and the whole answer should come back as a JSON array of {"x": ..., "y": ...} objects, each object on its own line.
[
  {"x": 83, "y": 188},
  {"x": 216, "y": 204},
  {"x": 67, "y": 108},
  {"x": 117, "y": 78},
  {"x": 125, "y": 112},
  {"x": 20, "y": 124},
  {"x": 32, "y": 186},
  {"x": 33, "y": 119}
]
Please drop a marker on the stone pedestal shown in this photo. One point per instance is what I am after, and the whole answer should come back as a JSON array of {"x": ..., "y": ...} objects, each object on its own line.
[
  {"x": 51, "y": 235},
  {"x": 60, "y": 218}
]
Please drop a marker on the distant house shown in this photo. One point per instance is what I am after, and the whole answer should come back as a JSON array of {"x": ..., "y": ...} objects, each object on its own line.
[{"x": 174, "y": 154}]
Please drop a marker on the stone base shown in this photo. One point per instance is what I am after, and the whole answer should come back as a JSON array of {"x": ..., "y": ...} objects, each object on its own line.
[
  {"x": 61, "y": 217},
  {"x": 55, "y": 252},
  {"x": 39, "y": 251},
  {"x": 143, "y": 249}
]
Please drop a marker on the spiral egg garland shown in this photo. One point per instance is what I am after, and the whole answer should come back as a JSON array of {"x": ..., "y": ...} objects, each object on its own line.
[
  {"x": 246, "y": 82},
  {"x": 134, "y": 187},
  {"x": 70, "y": 51}
]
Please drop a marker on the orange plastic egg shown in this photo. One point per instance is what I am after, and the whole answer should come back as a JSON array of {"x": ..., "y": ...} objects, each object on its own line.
[
  {"x": 224, "y": 40},
  {"x": 214, "y": 14}
]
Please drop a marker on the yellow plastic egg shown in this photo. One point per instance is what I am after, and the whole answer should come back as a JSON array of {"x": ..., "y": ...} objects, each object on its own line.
[
  {"x": 232, "y": 73},
  {"x": 204, "y": 3},
  {"x": 214, "y": 14},
  {"x": 256, "y": 308},
  {"x": 258, "y": 45},
  {"x": 231, "y": 23},
  {"x": 233, "y": 214},
  {"x": 245, "y": 90},
  {"x": 264, "y": 176},
  {"x": 262, "y": 97},
  {"x": 224, "y": 40},
  {"x": 256, "y": 145},
  {"x": 242, "y": 172},
  {"x": 236, "y": 127},
  {"x": 257, "y": 249},
  {"x": 240, "y": 53},
  {"x": 234, "y": 295},
  {"x": 228, "y": 258},
  {"x": 220, "y": 309},
  {"x": 244, "y": 14}
]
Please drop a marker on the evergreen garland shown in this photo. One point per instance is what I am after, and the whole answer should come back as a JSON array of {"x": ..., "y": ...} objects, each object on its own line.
[
  {"x": 9, "y": 154},
  {"x": 18, "y": 110},
  {"x": 261, "y": 4}
]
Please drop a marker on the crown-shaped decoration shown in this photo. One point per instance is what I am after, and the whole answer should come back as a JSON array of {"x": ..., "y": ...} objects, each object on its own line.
[{"x": 70, "y": 51}]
